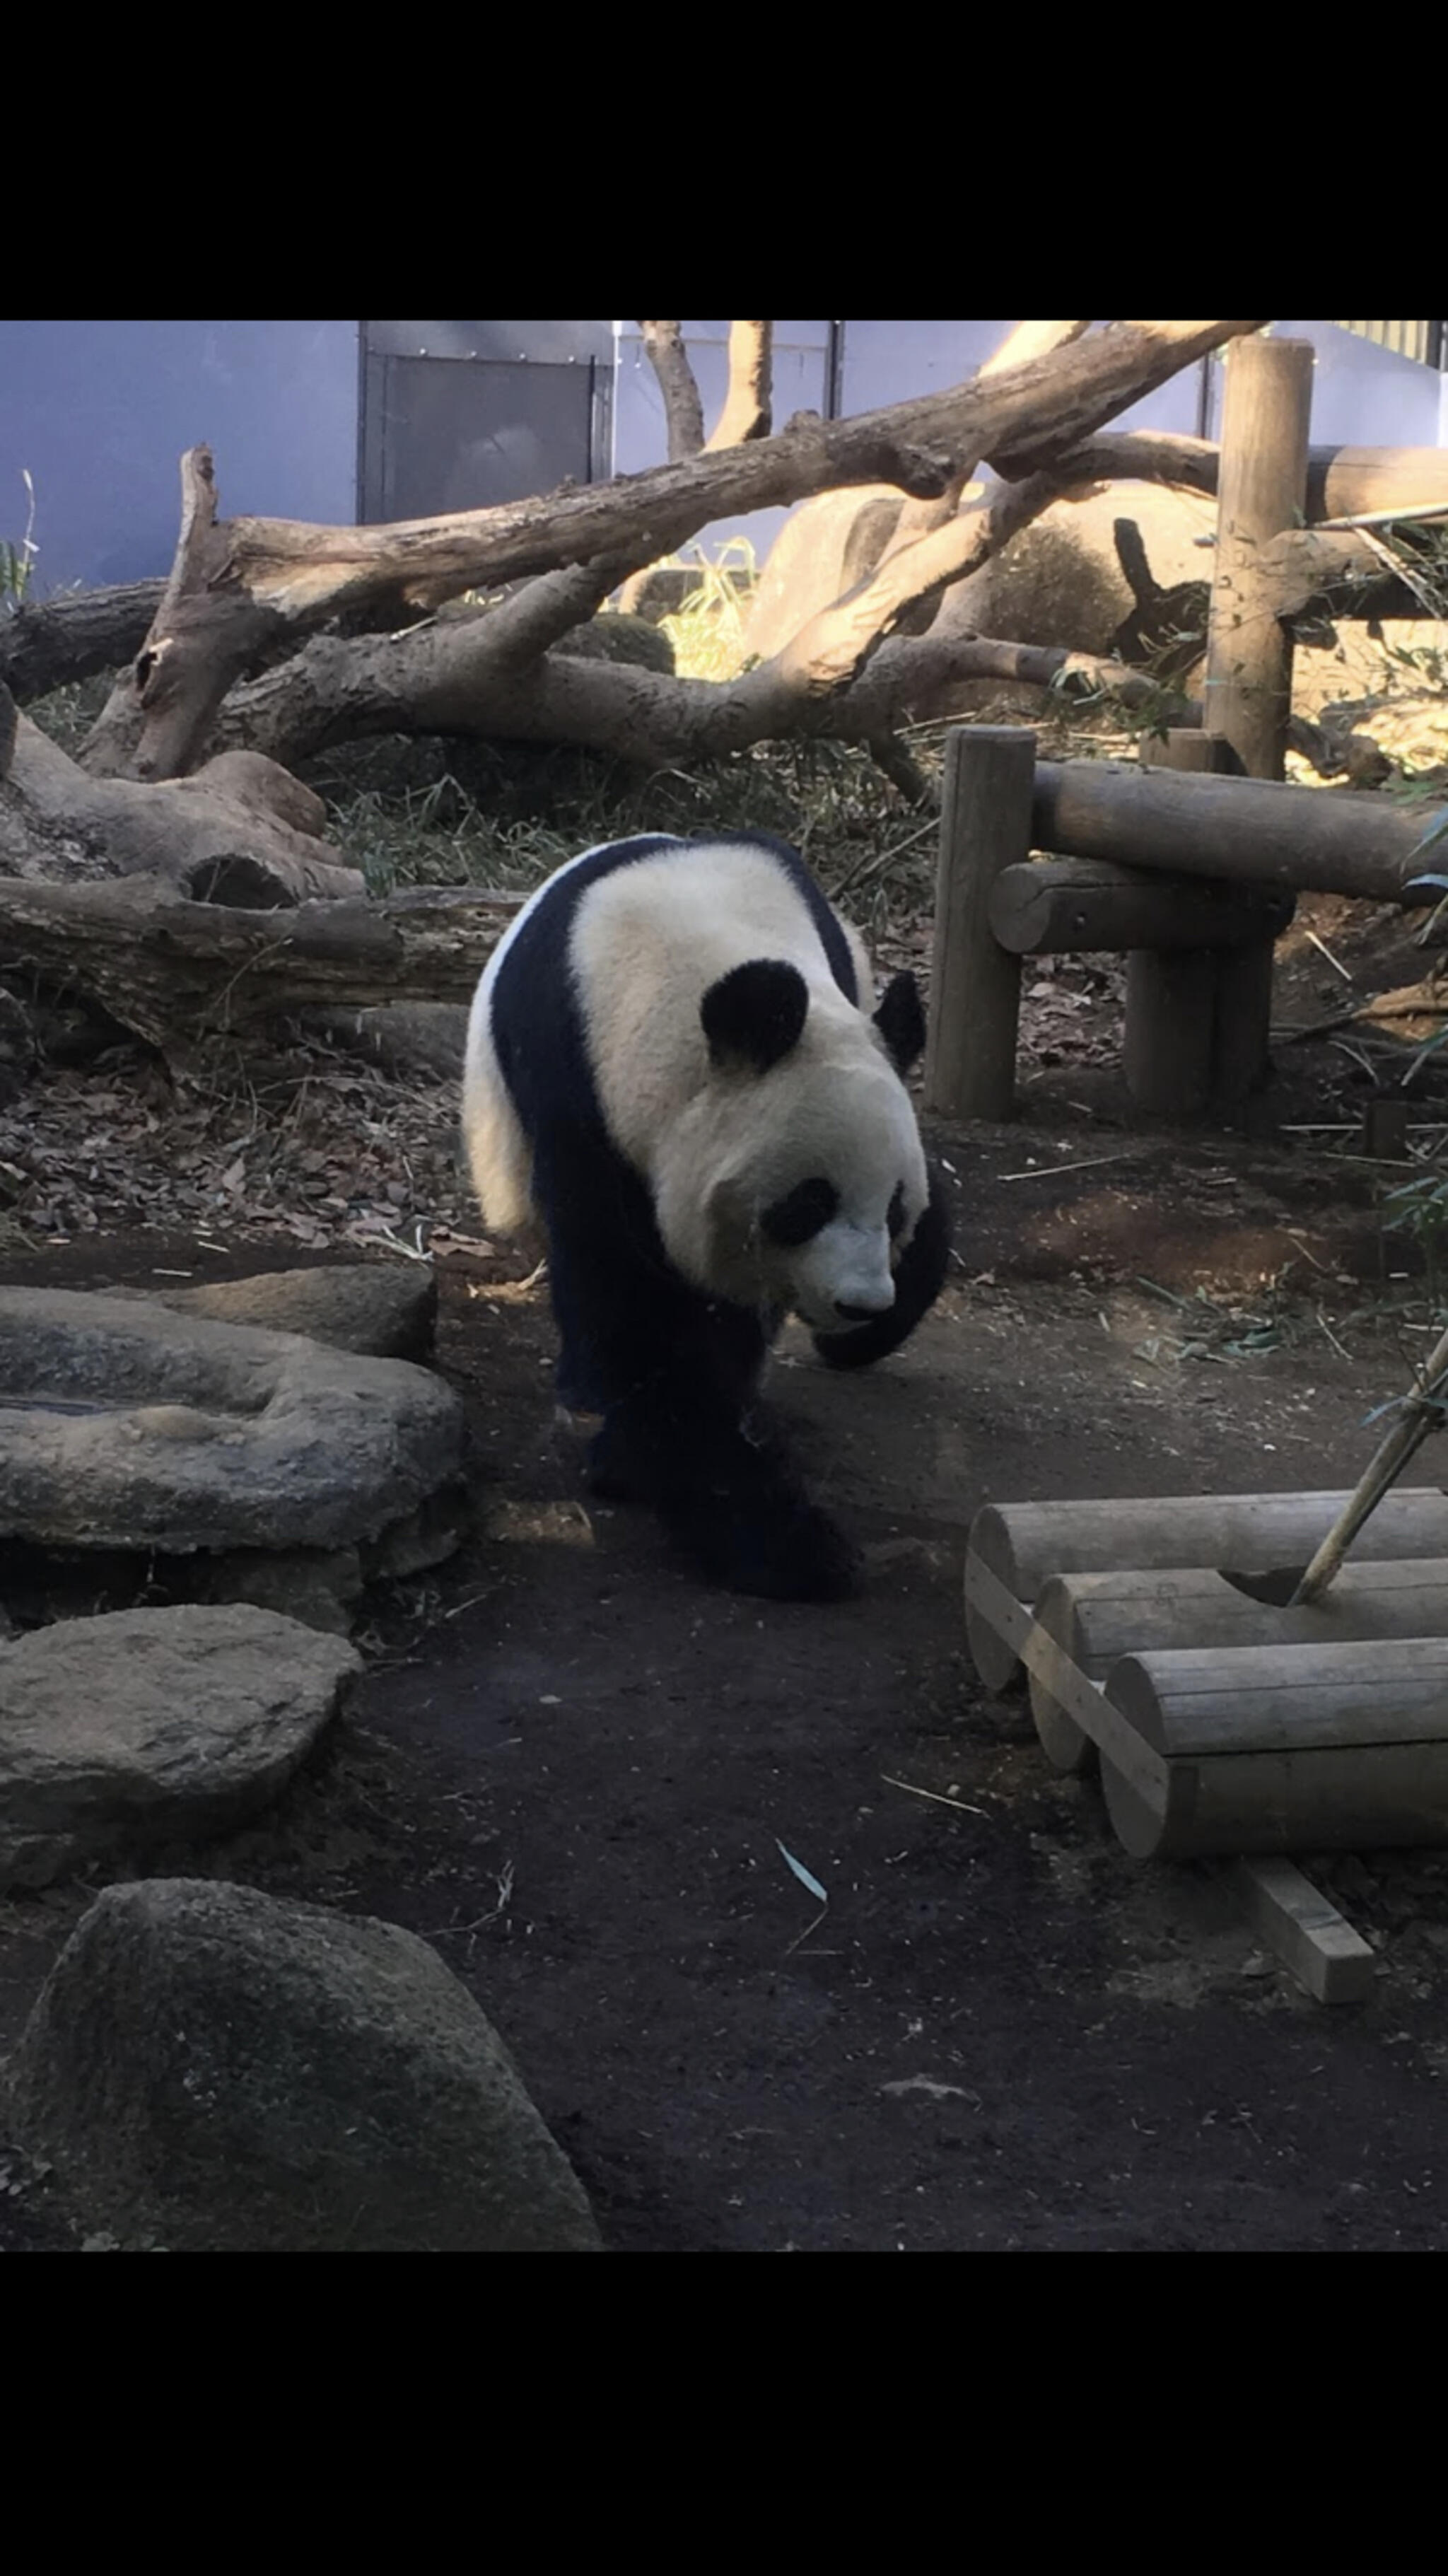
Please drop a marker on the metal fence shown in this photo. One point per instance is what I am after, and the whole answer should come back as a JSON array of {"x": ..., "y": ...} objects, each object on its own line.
[{"x": 1421, "y": 340}]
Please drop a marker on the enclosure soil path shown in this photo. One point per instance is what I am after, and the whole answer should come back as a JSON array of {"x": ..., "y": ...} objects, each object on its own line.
[{"x": 572, "y": 1767}]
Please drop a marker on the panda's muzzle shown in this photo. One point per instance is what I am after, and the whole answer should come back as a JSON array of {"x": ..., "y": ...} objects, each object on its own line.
[{"x": 865, "y": 1314}]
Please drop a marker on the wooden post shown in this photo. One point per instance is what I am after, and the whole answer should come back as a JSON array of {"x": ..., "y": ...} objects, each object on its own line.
[
  {"x": 1261, "y": 492},
  {"x": 1171, "y": 1001},
  {"x": 975, "y": 998}
]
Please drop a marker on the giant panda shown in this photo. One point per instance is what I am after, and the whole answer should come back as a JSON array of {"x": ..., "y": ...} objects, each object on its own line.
[{"x": 672, "y": 1072}]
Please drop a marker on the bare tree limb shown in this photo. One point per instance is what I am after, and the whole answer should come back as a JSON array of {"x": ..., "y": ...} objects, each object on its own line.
[
  {"x": 1028, "y": 340},
  {"x": 746, "y": 412},
  {"x": 239, "y": 584},
  {"x": 683, "y": 411}
]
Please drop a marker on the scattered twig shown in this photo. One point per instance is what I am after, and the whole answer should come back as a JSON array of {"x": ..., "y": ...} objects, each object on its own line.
[
  {"x": 1050, "y": 1171},
  {"x": 1322, "y": 947},
  {"x": 938, "y": 1797}
]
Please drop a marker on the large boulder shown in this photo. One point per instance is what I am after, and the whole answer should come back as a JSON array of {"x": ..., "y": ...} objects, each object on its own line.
[
  {"x": 213, "y": 2070},
  {"x": 147, "y": 1727},
  {"x": 123, "y": 1424},
  {"x": 1059, "y": 582},
  {"x": 356, "y": 1306}
]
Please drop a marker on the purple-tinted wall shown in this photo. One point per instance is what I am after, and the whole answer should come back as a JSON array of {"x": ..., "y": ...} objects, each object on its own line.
[{"x": 100, "y": 412}]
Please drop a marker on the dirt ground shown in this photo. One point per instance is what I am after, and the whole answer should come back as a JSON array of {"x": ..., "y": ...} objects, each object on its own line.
[{"x": 581, "y": 1774}]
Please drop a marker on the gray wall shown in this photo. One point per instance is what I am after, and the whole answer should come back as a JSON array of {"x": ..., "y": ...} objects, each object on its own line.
[{"x": 100, "y": 412}]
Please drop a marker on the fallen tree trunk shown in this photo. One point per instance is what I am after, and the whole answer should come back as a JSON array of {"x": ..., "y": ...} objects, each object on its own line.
[
  {"x": 241, "y": 831},
  {"x": 51, "y": 641},
  {"x": 177, "y": 973},
  {"x": 239, "y": 587},
  {"x": 463, "y": 680}
]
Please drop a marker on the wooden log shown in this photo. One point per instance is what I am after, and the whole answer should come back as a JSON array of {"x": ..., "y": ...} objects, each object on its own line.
[
  {"x": 1021, "y": 1545},
  {"x": 1261, "y": 491},
  {"x": 985, "y": 826},
  {"x": 178, "y": 973},
  {"x": 1310, "y": 1937},
  {"x": 1230, "y": 827},
  {"x": 240, "y": 830},
  {"x": 1048, "y": 906},
  {"x": 1285, "y": 1748},
  {"x": 49, "y": 641},
  {"x": 1097, "y": 1618},
  {"x": 1371, "y": 482}
]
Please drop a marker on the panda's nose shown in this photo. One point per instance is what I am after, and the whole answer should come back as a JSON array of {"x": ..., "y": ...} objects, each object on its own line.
[{"x": 880, "y": 1305}]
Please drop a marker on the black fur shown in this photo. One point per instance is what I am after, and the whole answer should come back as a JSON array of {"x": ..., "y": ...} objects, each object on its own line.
[
  {"x": 918, "y": 1283},
  {"x": 755, "y": 1015},
  {"x": 900, "y": 1020},
  {"x": 673, "y": 1373}
]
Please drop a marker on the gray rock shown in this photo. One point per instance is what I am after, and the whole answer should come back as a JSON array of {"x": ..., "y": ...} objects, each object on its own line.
[
  {"x": 619, "y": 637},
  {"x": 355, "y": 1306},
  {"x": 319, "y": 1586},
  {"x": 124, "y": 1424},
  {"x": 152, "y": 1726},
  {"x": 217, "y": 2071}
]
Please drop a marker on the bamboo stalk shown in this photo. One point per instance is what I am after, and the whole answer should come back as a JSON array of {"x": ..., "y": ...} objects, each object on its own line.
[{"x": 1421, "y": 1414}]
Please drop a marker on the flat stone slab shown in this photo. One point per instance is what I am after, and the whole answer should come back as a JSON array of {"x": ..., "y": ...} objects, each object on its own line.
[
  {"x": 214, "y": 2070},
  {"x": 124, "y": 1424},
  {"x": 153, "y": 1726},
  {"x": 386, "y": 1313}
]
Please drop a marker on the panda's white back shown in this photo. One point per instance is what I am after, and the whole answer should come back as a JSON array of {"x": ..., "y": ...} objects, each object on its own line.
[{"x": 648, "y": 942}]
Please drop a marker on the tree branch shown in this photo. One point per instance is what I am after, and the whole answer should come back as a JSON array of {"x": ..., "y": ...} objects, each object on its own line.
[
  {"x": 746, "y": 412},
  {"x": 238, "y": 584},
  {"x": 683, "y": 411}
]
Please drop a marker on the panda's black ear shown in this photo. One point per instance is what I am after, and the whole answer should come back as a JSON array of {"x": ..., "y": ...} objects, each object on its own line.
[
  {"x": 755, "y": 1014},
  {"x": 900, "y": 1020}
]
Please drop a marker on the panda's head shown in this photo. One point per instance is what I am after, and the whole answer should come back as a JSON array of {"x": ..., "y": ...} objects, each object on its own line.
[{"x": 795, "y": 1177}]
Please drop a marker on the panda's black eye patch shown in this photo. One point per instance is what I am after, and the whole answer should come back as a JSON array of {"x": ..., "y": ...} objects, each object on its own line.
[
  {"x": 793, "y": 1219},
  {"x": 896, "y": 1216}
]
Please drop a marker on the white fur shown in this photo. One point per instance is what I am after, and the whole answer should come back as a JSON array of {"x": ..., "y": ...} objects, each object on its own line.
[
  {"x": 717, "y": 1148},
  {"x": 497, "y": 1149}
]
